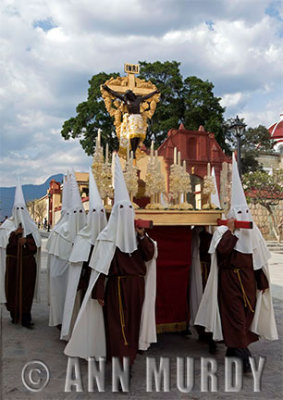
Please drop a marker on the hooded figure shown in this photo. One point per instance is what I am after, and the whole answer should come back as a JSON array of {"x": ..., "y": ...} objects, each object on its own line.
[
  {"x": 200, "y": 268},
  {"x": 20, "y": 251},
  {"x": 200, "y": 265},
  {"x": 79, "y": 271},
  {"x": 120, "y": 255},
  {"x": 59, "y": 247},
  {"x": 237, "y": 304}
]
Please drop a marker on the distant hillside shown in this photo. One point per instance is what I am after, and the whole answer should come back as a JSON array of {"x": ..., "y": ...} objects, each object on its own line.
[{"x": 31, "y": 192}]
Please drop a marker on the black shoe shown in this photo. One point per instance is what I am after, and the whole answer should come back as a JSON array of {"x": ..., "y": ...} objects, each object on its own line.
[
  {"x": 212, "y": 347},
  {"x": 28, "y": 325},
  {"x": 246, "y": 368},
  {"x": 187, "y": 332}
]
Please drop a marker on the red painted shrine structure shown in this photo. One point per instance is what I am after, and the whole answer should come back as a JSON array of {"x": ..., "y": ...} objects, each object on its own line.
[{"x": 198, "y": 148}]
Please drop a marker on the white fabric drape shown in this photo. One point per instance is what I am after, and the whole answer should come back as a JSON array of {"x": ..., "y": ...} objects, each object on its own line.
[{"x": 196, "y": 288}]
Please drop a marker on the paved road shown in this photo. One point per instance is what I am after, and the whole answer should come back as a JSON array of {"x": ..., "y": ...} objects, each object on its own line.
[{"x": 19, "y": 346}]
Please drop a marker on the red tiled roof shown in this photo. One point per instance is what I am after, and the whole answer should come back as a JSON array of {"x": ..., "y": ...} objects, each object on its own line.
[{"x": 276, "y": 130}]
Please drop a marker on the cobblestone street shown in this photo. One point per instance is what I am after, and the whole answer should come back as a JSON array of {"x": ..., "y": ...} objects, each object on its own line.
[{"x": 20, "y": 345}]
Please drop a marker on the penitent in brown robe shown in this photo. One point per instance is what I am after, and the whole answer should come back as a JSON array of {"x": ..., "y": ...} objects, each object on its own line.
[
  {"x": 123, "y": 297},
  {"x": 237, "y": 292},
  {"x": 85, "y": 275},
  {"x": 20, "y": 278}
]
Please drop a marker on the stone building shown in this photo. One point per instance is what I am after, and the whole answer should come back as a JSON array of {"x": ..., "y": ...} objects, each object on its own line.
[{"x": 273, "y": 164}]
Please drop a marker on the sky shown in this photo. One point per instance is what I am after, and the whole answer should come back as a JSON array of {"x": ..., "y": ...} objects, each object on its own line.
[{"x": 49, "y": 50}]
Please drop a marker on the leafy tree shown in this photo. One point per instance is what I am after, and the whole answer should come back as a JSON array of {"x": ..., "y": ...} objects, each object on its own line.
[
  {"x": 267, "y": 191},
  {"x": 170, "y": 110},
  {"x": 190, "y": 101},
  {"x": 254, "y": 141},
  {"x": 203, "y": 108},
  {"x": 92, "y": 115}
]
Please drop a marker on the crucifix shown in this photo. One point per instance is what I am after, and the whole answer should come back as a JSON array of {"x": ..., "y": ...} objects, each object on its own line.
[
  {"x": 123, "y": 87},
  {"x": 131, "y": 101}
]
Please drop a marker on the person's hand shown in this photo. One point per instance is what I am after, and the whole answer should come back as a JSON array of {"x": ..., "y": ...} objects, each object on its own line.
[
  {"x": 101, "y": 302},
  {"x": 231, "y": 224},
  {"x": 22, "y": 241},
  {"x": 19, "y": 230},
  {"x": 140, "y": 231}
]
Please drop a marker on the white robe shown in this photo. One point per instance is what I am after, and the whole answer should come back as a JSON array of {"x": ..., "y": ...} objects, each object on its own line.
[
  {"x": 196, "y": 288},
  {"x": 80, "y": 253},
  {"x": 71, "y": 300},
  {"x": 58, "y": 278},
  {"x": 59, "y": 250},
  {"x": 208, "y": 315}
]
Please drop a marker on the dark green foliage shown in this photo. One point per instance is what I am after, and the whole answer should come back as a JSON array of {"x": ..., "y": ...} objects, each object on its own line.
[
  {"x": 202, "y": 107},
  {"x": 190, "y": 101},
  {"x": 254, "y": 141},
  {"x": 91, "y": 115},
  {"x": 169, "y": 112}
]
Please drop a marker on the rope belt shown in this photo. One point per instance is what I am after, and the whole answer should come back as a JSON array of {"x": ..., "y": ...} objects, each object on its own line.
[
  {"x": 245, "y": 297},
  {"x": 121, "y": 311}
]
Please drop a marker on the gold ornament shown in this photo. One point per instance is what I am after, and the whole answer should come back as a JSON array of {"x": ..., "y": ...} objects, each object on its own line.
[
  {"x": 154, "y": 180},
  {"x": 102, "y": 170},
  {"x": 131, "y": 178},
  {"x": 180, "y": 184},
  {"x": 118, "y": 109}
]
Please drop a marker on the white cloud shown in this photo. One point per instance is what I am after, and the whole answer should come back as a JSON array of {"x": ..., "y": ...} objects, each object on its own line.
[
  {"x": 50, "y": 49},
  {"x": 230, "y": 100}
]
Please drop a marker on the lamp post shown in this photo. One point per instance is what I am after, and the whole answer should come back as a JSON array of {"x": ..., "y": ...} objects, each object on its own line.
[
  {"x": 237, "y": 127},
  {"x": 49, "y": 210}
]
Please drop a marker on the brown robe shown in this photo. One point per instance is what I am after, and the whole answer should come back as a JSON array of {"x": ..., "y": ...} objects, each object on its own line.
[
  {"x": 20, "y": 277},
  {"x": 123, "y": 296},
  {"x": 85, "y": 275},
  {"x": 237, "y": 292}
]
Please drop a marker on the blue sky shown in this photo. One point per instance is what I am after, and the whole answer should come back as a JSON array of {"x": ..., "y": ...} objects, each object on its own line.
[{"x": 49, "y": 50}]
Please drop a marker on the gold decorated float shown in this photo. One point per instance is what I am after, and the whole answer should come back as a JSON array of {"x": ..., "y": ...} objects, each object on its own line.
[{"x": 143, "y": 169}]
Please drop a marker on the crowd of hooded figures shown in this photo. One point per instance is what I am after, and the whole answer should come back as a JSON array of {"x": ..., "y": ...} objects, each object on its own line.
[{"x": 102, "y": 275}]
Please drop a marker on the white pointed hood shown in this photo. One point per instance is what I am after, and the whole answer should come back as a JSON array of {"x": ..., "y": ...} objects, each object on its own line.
[
  {"x": 72, "y": 220},
  {"x": 19, "y": 199},
  {"x": 215, "y": 196},
  {"x": 21, "y": 215},
  {"x": 77, "y": 217},
  {"x": 96, "y": 219},
  {"x": 240, "y": 211},
  {"x": 66, "y": 203},
  {"x": 96, "y": 222},
  {"x": 121, "y": 226},
  {"x": 66, "y": 194}
]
